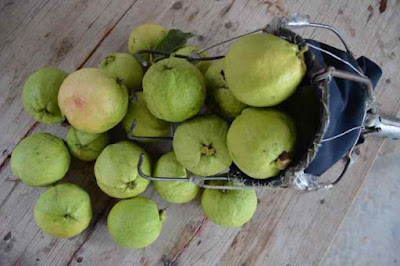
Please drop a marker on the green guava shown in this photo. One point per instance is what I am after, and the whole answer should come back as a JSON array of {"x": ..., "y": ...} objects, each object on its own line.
[
  {"x": 200, "y": 145},
  {"x": 174, "y": 192},
  {"x": 260, "y": 142},
  {"x": 263, "y": 70},
  {"x": 92, "y": 100},
  {"x": 84, "y": 146},
  {"x": 145, "y": 36},
  {"x": 135, "y": 223},
  {"x": 229, "y": 208},
  {"x": 64, "y": 210},
  {"x": 147, "y": 125},
  {"x": 188, "y": 50},
  {"x": 40, "y": 95},
  {"x": 125, "y": 67},
  {"x": 40, "y": 160},
  {"x": 220, "y": 98},
  {"x": 174, "y": 89},
  {"x": 116, "y": 170}
]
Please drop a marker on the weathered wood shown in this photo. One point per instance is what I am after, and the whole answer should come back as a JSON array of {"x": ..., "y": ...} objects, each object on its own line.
[
  {"x": 289, "y": 227},
  {"x": 60, "y": 34}
]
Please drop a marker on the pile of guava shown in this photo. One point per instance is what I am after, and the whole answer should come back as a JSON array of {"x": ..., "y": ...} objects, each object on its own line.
[{"x": 215, "y": 113}]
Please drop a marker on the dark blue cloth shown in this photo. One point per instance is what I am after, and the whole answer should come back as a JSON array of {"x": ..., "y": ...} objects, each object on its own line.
[{"x": 346, "y": 106}]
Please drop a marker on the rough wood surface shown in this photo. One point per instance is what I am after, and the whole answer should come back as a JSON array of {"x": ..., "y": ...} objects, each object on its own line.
[{"x": 289, "y": 228}]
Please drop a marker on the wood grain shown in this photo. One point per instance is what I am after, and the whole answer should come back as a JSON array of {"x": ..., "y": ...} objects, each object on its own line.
[{"x": 289, "y": 227}]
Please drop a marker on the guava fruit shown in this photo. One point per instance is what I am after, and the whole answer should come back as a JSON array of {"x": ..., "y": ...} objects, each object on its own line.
[
  {"x": 174, "y": 89},
  {"x": 188, "y": 50},
  {"x": 229, "y": 208},
  {"x": 174, "y": 192},
  {"x": 147, "y": 125},
  {"x": 92, "y": 100},
  {"x": 200, "y": 145},
  {"x": 260, "y": 142},
  {"x": 135, "y": 223},
  {"x": 116, "y": 170},
  {"x": 220, "y": 98},
  {"x": 263, "y": 70},
  {"x": 125, "y": 67},
  {"x": 64, "y": 210},
  {"x": 145, "y": 36},
  {"x": 40, "y": 93},
  {"x": 40, "y": 160},
  {"x": 84, "y": 146}
]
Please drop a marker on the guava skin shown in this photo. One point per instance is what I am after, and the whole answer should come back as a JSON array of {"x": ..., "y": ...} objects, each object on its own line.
[
  {"x": 93, "y": 101},
  {"x": 260, "y": 141},
  {"x": 220, "y": 98},
  {"x": 174, "y": 89},
  {"x": 174, "y": 192},
  {"x": 263, "y": 70},
  {"x": 188, "y": 50},
  {"x": 147, "y": 125},
  {"x": 229, "y": 208},
  {"x": 40, "y": 93},
  {"x": 135, "y": 223},
  {"x": 125, "y": 67},
  {"x": 40, "y": 160},
  {"x": 84, "y": 146},
  {"x": 64, "y": 210},
  {"x": 200, "y": 145},
  {"x": 145, "y": 36},
  {"x": 116, "y": 170}
]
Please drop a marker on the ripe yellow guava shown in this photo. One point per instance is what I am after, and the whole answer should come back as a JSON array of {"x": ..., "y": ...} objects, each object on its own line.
[{"x": 263, "y": 70}]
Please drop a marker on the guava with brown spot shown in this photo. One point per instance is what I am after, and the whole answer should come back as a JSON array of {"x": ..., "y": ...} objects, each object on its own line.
[
  {"x": 92, "y": 100},
  {"x": 261, "y": 141}
]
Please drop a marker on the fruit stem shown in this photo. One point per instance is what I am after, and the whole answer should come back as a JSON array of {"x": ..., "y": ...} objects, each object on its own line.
[
  {"x": 207, "y": 150},
  {"x": 283, "y": 160},
  {"x": 163, "y": 214}
]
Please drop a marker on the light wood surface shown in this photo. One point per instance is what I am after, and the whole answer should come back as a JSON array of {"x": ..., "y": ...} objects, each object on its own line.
[{"x": 289, "y": 228}]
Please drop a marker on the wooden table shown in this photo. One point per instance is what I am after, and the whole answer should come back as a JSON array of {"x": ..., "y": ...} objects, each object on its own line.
[{"x": 289, "y": 228}]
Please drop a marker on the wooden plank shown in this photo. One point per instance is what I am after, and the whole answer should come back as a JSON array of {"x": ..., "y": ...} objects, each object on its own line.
[
  {"x": 215, "y": 21},
  {"x": 60, "y": 34},
  {"x": 268, "y": 235}
]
